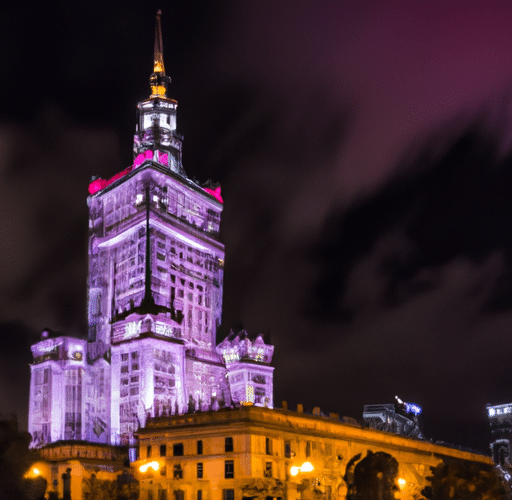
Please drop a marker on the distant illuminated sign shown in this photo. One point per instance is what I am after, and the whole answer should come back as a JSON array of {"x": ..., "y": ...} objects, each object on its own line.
[
  {"x": 413, "y": 408},
  {"x": 499, "y": 410},
  {"x": 408, "y": 407}
]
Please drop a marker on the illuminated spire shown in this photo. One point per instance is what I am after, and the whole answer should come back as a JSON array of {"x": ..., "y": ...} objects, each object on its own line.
[
  {"x": 159, "y": 49},
  {"x": 159, "y": 80}
]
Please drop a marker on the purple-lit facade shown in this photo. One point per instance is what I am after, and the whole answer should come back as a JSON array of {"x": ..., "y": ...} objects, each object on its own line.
[{"x": 155, "y": 287}]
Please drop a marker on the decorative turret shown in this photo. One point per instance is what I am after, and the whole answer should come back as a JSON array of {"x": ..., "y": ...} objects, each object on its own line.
[
  {"x": 156, "y": 117},
  {"x": 249, "y": 374}
]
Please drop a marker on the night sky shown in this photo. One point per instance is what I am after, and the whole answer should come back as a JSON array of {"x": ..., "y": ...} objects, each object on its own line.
[{"x": 364, "y": 150}]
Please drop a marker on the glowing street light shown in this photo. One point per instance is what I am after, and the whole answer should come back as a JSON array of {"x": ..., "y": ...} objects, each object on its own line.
[
  {"x": 149, "y": 465},
  {"x": 33, "y": 472},
  {"x": 305, "y": 467}
]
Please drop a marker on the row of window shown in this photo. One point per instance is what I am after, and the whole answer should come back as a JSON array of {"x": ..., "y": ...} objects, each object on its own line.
[
  {"x": 229, "y": 470},
  {"x": 178, "y": 448},
  {"x": 227, "y": 494},
  {"x": 178, "y": 451}
]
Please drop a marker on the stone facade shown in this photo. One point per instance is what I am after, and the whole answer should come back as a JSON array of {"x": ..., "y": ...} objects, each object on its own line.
[
  {"x": 259, "y": 452},
  {"x": 155, "y": 287}
]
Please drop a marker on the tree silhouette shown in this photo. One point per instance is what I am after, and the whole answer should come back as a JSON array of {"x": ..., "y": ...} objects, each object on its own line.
[
  {"x": 125, "y": 487},
  {"x": 373, "y": 478},
  {"x": 15, "y": 460},
  {"x": 455, "y": 479}
]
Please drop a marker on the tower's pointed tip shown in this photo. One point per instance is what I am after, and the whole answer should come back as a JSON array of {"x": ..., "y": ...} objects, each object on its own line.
[
  {"x": 158, "y": 80},
  {"x": 159, "y": 50}
]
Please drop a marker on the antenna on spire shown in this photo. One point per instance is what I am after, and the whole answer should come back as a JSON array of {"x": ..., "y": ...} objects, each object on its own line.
[{"x": 159, "y": 80}]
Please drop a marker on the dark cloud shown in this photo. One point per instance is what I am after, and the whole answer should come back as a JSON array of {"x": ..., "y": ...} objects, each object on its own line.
[
  {"x": 363, "y": 150},
  {"x": 442, "y": 204}
]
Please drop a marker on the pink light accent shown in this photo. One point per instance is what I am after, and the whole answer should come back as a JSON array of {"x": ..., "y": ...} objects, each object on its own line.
[
  {"x": 215, "y": 193},
  {"x": 99, "y": 184},
  {"x": 163, "y": 158},
  {"x": 138, "y": 160}
]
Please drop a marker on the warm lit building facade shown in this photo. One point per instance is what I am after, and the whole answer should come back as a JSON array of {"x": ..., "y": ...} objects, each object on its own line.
[
  {"x": 80, "y": 469},
  {"x": 155, "y": 287},
  {"x": 258, "y": 452}
]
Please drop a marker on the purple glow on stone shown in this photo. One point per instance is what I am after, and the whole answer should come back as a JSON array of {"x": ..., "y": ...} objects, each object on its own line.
[{"x": 142, "y": 361}]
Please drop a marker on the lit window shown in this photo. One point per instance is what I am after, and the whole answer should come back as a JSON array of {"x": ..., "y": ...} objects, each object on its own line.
[
  {"x": 228, "y": 494},
  {"x": 178, "y": 471},
  {"x": 228, "y": 444},
  {"x": 229, "y": 469},
  {"x": 268, "y": 469}
]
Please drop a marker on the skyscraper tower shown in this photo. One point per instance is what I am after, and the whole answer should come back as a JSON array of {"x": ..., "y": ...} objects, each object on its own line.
[
  {"x": 155, "y": 274},
  {"x": 154, "y": 292}
]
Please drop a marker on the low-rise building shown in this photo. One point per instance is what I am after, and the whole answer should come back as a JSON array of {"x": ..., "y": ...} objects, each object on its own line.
[
  {"x": 77, "y": 469},
  {"x": 249, "y": 452}
]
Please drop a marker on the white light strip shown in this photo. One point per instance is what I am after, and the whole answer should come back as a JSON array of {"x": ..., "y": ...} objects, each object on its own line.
[
  {"x": 121, "y": 236},
  {"x": 179, "y": 236},
  {"x": 127, "y": 232}
]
